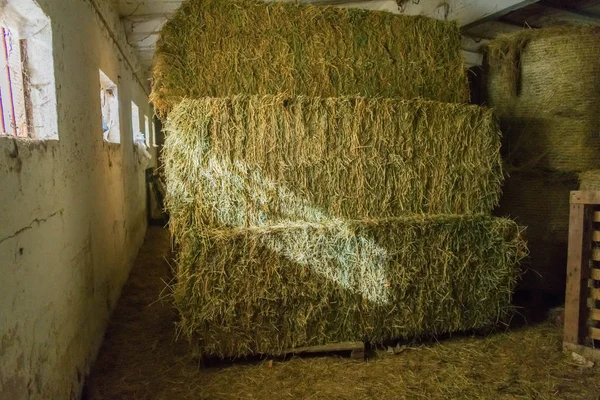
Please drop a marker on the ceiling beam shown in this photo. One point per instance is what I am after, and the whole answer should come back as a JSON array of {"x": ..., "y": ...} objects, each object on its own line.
[
  {"x": 574, "y": 17},
  {"x": 491, "y": 29},
  {"x": 466, "y": 12}
]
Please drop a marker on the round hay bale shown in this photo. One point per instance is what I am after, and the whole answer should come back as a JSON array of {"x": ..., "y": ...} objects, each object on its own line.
[
  {"x": 540, "y": 201},
  {"x": 544, "y": 85},
  {"x": 589, "y": 180}
]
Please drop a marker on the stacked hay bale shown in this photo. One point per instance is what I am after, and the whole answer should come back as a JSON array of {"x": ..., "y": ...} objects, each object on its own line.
[
  {"x": 222, "y": 48},
  {"x": 323, "y": 214},
  {"x": 544, "y": 85}
]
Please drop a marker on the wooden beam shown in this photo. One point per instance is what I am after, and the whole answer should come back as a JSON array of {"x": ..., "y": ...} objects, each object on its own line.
[
  {"x": 466, "y": 12},
  {"x": 577, "y": 272},
  {"x": 551, "y": 15},
  {"x": 585, "y": 197},
  {"x": 472, "y": 58},
  {"x": 491, "y": 29}
]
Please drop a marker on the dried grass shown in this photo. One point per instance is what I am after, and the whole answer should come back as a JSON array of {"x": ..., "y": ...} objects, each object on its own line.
[
  {"x": 539, "y": 201},
  {"x": 140, "y": 360},
  {"x": 255, "y": 160},
  {"x": 589, "y": 180},
  {"x": 244, "y": 291},
  {"x": 227, "y": 47}
]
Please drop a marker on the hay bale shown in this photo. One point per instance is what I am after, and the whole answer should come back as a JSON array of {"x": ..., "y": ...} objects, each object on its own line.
[
  {"x": 544, "y": 85},
  {"x": 265, "y": 289},
  {"x": 227, "y": 47},
  {"x": 540, "y": 202},
  {"x": 256, "y": 160},
  {"x": 589, "y": 180}
]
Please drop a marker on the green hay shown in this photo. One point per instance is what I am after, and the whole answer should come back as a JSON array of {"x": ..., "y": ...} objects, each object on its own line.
[
  {"x": 227, "y": 47},
  {"x": 540, "y": 202},
  {"x": 255, "y": 290},
  {"x": 257, "y": 160},
  {"x": 589, "y": 180},
  {"x": 544, "y": 85}
]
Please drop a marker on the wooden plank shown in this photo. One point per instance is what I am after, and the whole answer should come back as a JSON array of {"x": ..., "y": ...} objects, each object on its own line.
[
  {"x": 491, "y": 29},
  {"x": 594, "y": 333},
  {"x": 595, "y": 314},
  {"x": 327, "y": 348},
  {"x": 465, "y": 12},
  {"x": 587, "y": 352},
  {"x": 596, "y": 254},
  {"x": 595, "y": 274},
  {"x": 596, "y": 236},
  {"x": 585, "y": 197},
  {"x": 596, "y": 216},
  {"x": 575, "y": 301},
  {"x": 595, "y": 293}
]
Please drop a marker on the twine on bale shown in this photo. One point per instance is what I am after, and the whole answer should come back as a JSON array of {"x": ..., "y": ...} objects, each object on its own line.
[
  {"x": 253, "y": 160},
  {"x": 228, "y": 47},
  {"x": 262, "y": 290}
]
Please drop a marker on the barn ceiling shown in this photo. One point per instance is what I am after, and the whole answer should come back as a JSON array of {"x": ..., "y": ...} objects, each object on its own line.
[{"x": 481, "y": 19}]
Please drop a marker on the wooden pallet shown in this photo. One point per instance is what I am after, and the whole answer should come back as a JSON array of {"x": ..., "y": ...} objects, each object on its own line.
[
  {"x": 582, "y": 299},
  {"x": 356, "y": 349}
]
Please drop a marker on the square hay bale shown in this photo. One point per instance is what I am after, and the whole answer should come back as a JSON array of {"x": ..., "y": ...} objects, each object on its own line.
[
  {"x": 256, "y": 160},
  {"x": 544, "y": 85},
  {"x": 221, "y": 48},
  {"x": 539, "y": 201},
  {"x": 589, "y": 180},
  {"x": 262, "y": 290}
]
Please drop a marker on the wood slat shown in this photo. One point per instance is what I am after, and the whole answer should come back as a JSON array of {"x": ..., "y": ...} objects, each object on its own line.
[
  {"x": 585, "y": 197},
  {"x": 596, "y": 254},
  {"x": 595, "y": 333},
  {"x": 595, "y": 314},
  {"x": 587, "y": 352},
  {"x": 343, "y": 346},
  {"x": 595, "y": 274},
  {"x": 596, "y": 216},
  {"x": 596, "y": 236},
  {"x": 595, "y": 293}
]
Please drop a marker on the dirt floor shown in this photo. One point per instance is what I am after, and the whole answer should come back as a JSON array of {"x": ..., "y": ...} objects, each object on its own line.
[{"x": 140, "y": 359}]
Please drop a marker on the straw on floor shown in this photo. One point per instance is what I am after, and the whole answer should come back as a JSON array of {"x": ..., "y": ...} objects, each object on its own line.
[
  {"x": 266, "y": 289},
  {"x": 253, "y": 160},
  {"x": 228, "y": 47}
]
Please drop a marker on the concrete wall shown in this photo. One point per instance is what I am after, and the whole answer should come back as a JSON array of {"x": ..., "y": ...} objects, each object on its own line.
[{"x": 72, "y": 213}]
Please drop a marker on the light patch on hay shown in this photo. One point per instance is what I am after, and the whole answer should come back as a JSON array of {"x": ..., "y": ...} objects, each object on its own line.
[
  {"x": 242, "y": 290},
  {"x": 252, "y": 160}
]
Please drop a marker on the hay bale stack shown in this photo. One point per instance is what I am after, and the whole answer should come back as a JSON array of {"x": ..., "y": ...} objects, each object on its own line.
[
  {"x": 544, "y": 85},
  {"x": 540, "y": 202},
  {"x": 227, "y": 47},
  {"x": 589, "y": 180},
  {"x": 266, "y": 289},
  {"x": 256, "y": 160}
]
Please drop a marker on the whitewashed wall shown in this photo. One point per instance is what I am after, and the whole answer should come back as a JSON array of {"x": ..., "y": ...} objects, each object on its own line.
[{"x": 72, "y": 212}]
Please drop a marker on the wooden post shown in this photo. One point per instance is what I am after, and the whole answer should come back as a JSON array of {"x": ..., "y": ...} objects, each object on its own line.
[{"x": 577, "y": 273}]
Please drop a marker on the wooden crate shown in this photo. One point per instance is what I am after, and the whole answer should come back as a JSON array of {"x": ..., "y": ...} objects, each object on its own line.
[{"x": 582, "y": 299}]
